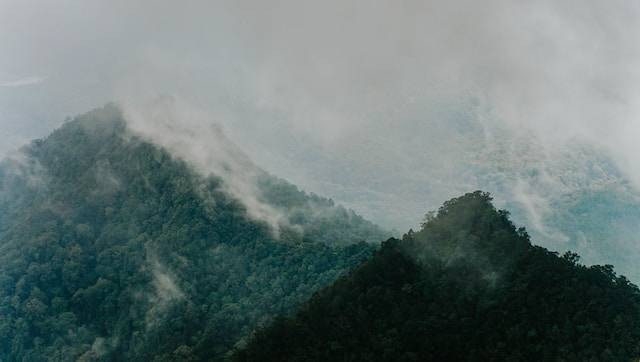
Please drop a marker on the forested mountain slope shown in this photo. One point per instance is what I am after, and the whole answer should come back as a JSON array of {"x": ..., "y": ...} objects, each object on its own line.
[
  {"x": 468, "y": 286},
  {"x": 110, "y": 249}
]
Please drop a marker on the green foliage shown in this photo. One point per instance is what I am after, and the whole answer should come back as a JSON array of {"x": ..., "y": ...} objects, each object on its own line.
[
  {"x": 112, "y": 250},
  {"x": 467, "y": 287},
  {"x": 319, "y": 218}
]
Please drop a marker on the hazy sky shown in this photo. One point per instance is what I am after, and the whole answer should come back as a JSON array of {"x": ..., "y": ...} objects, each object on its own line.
[{"x": 383, "y": 105}]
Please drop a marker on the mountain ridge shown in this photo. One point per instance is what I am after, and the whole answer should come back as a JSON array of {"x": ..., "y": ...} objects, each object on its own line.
[
  {"x": 468, "y": 286},
  {"x": 120, "y": 250}
]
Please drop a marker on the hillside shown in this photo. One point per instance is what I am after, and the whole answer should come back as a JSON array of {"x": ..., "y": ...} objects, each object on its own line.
[
  {"x": 468, "y": 286},
  {"x": 110, "y": 249}
]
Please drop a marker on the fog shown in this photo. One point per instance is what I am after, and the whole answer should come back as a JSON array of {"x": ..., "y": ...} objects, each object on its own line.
[{"x": 389, "y": 107}]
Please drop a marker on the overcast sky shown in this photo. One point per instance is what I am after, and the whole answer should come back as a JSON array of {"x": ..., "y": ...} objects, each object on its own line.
[{"x": 337, "y": 94}]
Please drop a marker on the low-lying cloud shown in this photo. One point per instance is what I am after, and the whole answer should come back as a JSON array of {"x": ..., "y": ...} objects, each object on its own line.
[
  {"x": 195, "y": 137},
  {"x": 390, "y": 107}
]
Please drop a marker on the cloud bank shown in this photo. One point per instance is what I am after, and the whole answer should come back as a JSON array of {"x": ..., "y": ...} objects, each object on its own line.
[{"x": 390, "y": 107}]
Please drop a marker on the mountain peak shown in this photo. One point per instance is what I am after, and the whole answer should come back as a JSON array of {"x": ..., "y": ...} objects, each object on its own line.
[
  {"x": 130, "y": 253},
  {"x": 467, "y": 287},
  {"x": 470, "y": 230}
]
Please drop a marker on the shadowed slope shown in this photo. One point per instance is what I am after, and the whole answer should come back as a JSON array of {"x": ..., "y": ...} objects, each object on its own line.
[{"x": 467, "y": 287}]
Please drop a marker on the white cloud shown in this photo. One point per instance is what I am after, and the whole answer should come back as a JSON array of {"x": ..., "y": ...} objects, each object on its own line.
[{"x": 31, "y": 80}]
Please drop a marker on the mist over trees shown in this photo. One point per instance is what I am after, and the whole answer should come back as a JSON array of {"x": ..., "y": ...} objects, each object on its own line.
[
  {"x": 113, "y": 250},
  {"x": 172, "y": 225},
  {"x": 468, "y": 286}
]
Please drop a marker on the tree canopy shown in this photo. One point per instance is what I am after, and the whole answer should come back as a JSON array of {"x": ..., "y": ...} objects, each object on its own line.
[
  {"x": 111, "y": 249},
  {"x": 468, "y": 286}
]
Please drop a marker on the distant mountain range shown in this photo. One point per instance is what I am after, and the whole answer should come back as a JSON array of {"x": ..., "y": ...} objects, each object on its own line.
[{"x": 569, "y": 193}]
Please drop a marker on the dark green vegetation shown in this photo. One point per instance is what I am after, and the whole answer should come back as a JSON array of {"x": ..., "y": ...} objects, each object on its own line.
[
  {"x": 468, "y": 286},
  {"x": 112, "y": 250}
]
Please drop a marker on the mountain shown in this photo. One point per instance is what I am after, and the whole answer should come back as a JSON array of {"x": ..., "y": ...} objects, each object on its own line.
[
  {"x": 468, "y": 286},
  {"x": 113, "y": 249}
]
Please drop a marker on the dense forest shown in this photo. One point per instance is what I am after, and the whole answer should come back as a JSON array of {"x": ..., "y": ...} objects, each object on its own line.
[
  {"x": 110, "y": 249},
  {"x": 468, "y": 286}
]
